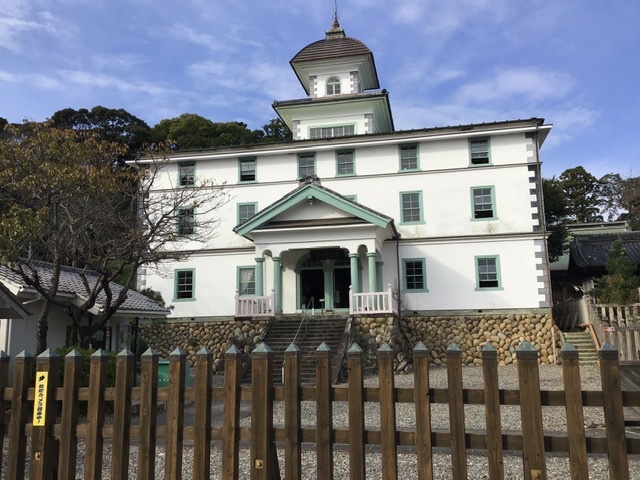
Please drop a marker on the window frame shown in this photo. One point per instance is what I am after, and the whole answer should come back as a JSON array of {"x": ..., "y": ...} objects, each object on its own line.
[
  {"x": 498, "y": 277},
  {"x": 333, "y": 82},
  {"x": 239, "y": 282},
  {"x": 177, "y": 284},
  {"x": 486, "y": 140},
  {"x": 352, "y": 162},
  {"x": 332, "y": 130},
  {"x": 420, "y": 208},
  {"x": 492, "y": 195},
  {"x": 405, "y": 276},
  {"x": 302, "y": 156},
  {"x": 241, "y": 161},
  {"x": 246, "y": 204},
  {"x": 405, "y": 147},
  {"x": 181, "y": 166},
  {"x": 179, "y": 224}
]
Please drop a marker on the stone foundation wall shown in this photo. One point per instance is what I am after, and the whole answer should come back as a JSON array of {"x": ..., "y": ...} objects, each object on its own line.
[{"x": 216, "y": 335}]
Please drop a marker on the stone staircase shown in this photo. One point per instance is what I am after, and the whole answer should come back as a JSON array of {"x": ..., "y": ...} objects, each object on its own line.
[
  {"x": 317, "y": 329},
  {"x": 583, "y": 342}
]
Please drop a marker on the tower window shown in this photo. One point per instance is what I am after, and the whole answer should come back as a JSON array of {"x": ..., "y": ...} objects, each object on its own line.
[{"x": 333, "y": 86}]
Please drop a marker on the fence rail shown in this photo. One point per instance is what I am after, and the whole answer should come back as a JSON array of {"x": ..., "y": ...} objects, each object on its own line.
[{"x": 53, "y": 433}]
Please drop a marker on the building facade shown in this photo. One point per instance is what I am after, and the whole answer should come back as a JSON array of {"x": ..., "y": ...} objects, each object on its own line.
[{"x": 446, "y": 219}]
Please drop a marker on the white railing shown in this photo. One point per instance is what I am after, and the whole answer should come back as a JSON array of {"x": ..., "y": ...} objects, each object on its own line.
[
  {"x": 255, "y": 306},
  {"x": 372, "y": 302}
]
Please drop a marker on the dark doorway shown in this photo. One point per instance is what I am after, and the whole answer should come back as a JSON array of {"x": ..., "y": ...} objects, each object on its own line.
[
  {"x": 311, "y": 287},
  {"x": 341, "y": 282}
]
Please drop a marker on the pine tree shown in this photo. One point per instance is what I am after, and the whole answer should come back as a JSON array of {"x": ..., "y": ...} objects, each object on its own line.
[{"x": 620, "y": 285}]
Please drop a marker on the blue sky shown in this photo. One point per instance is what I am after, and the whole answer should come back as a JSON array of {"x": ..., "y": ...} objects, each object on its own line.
[{"x": 575, "y": 63}]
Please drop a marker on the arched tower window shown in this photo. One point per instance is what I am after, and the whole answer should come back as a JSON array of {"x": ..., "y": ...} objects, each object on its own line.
[{"x": 333, "y": 86}]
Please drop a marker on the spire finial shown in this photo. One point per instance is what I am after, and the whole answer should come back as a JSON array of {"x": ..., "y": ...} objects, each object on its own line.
[{"x": 336, "y": 24}]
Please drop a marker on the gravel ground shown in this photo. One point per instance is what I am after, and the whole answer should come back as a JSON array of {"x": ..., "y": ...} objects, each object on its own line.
[{"x": 553, "y": 418}]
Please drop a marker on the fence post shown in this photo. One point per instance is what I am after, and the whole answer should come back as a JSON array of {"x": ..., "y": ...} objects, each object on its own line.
[
  {"x": 231, "y": 421},
  {"x": 148, "y": 411},
  {"x": 262, "y": 413},
  {"x": 575, "y": 413},
  {"x": 324, "y": 413},
  {"x": 68, "y": 455},
  {"x": 125, "y": 366},
  {"x": 356, "y": 413},
  {"x": 4, "y": 406},
  {"x": 95, "y": 415},
  {"x": 44, "y": 454},
  {"x": 421, "y": 398},
  {"x": 175, "y": 414},
  {"x": 388, "y": 443},
  {"x": 492, "y": 411},
  {"x": 292, "y": 413},
  {"x": 456, "y": 412},
  {"x": 531, "y": 413},
  {"x": 16, "y": 459},
  {"x": 614, "y": 412},
  {"x": 202, "y": 415}
]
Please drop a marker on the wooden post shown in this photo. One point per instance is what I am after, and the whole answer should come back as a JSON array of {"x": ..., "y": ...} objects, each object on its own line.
[
  {"x": 262, "y": 413},
  {"x": 4, "y": 406},
  {"x": 68, "y": 455},
  {"x": 324, "y": 413},
  {"x": 148, "y": 412},
  {"x": 175, "y": 414},
  {"x": 614, "y": 412},
  {"x": 388, "y": 445},
  {"x": 531, "y": 413},
  {"x": 202, "y": 415},
  {"x": 125, "y": 364},
  {"x": 492, "y": 411},
  {"x": 95, "y": 415},
  {"x": 356, "y": 413},
  {"x": 292, "y": 413},
  {"x": 44, "y": 452},
  {"x": 231, "y": 421},
  {"x": 421, "y": 398},
  {"x": 16, "y": 459},
  {"x": 456, "y": 412},
  {"x": 575, "y": 413}
]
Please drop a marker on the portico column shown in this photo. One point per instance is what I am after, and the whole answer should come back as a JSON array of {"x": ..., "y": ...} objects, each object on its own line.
[
  {"x": 327, "y": 270},
  {"x": 353, "y": 258},
  {"x": 277, "y": 283},
  {"x": 259, "y": 273},
  {"x": 373, "y": 281}
]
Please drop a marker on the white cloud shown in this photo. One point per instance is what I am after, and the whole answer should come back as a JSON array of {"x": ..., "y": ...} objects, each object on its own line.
[{"x": 570, "y": 122}]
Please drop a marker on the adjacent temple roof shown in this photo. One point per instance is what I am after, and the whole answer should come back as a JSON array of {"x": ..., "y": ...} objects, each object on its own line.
[
  {"x": 592, "y": 251},
  {"x": 71, "y": 283}
]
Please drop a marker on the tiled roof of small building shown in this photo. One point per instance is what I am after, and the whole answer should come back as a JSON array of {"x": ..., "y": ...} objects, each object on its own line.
[
  {"x": 593, "y": 250},
  {"x": 71, "y": 283}
]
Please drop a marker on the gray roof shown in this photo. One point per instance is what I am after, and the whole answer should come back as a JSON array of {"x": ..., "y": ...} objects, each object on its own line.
[
  {"x": 593, "y": 250},
  {"x": 331, "y": 48},
  {"x": 71, "y": 282}
]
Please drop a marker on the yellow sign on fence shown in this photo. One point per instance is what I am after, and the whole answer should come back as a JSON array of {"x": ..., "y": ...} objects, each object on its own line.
[{"x": 40, "y": 401}]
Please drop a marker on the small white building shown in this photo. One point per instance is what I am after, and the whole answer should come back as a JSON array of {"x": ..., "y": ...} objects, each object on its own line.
[{"x": 353, "y": 215}]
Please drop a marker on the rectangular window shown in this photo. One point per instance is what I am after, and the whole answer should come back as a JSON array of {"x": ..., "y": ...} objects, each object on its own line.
[
  {"x": 408, "y": 157},
  {"x": 479, "y": 150},
  {"x": 246, "y": 211},
  {"x": 482, "y": 200},
  {"x": 330, "y": 132},
  {"x": 306, "y": 164},
  {"x": 488, "y": 272},
  {"x": 186, "y": 221},
  {"x": 186, "y": 174},
  {"x": 411, "y": 207},
  {"x": 415, "y": 279},
  {"x": 246, "y": 281},
  {"x": 184, "y": 284},
  {"x": 345, "y": 162},
  {"x": 247, "y": 170}
]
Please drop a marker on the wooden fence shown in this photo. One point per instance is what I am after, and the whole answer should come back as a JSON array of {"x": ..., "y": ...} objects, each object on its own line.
[{"x": 47, "y": 417}]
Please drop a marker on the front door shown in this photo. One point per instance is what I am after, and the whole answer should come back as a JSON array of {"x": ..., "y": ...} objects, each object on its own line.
[
  {"x": 341, "y": 282},
  {"x": 311, "y": 288}
]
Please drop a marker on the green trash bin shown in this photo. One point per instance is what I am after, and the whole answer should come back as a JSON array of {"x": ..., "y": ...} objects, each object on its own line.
[{"x": 163, "y": 374}]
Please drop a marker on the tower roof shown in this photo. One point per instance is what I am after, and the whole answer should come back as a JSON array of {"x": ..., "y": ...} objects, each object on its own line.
[{"x": 331, "y": 47}]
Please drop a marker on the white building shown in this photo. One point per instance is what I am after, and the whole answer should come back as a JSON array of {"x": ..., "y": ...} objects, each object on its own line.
[{"x": 450, "y": 218}]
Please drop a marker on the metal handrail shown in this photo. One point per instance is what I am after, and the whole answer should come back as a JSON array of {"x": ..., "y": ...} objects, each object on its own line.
[{"x": 304, "y": 317}]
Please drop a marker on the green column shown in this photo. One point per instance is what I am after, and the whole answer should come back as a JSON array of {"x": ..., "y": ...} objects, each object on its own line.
[
  {"x": 259, "y": 273},
  {"x": 373, "y": 281},
  {"x": 355, "y": 284},
  {"x": 277, "y": 283}
]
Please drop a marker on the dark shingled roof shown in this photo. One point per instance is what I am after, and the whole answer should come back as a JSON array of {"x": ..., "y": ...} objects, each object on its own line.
[
  {"x": 331, "y": 48},
  {"x": 71, "y": 283},
  {"x": 593, "y": 250}
]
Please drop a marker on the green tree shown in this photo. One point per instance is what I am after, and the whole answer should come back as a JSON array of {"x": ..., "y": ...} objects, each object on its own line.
[
  {"x": 630, "y": 201},
  {"x": 276, "y": 131},
  {"x": 583, "y": 193},
  {"x": 555, "y": 215},
  {"x": 69, "y": 202},
  {"x": 620, "y": 285},
  {"x": 3, "y": 123},
  {"x": 611, "y": 187}
]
